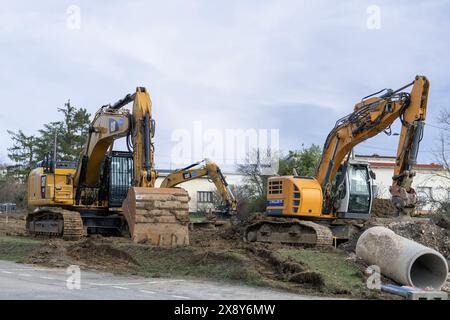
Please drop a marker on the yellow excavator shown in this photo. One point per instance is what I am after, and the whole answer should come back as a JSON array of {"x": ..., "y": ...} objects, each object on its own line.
[
  {"x": 110, "y": 192},
  {"x": 209, "y": 169},
  {"x": 320, "y": 207}
]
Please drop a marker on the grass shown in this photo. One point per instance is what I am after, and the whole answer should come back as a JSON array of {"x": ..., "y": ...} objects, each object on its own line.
[
  {"x": 196, "y": 217},
  {"x": 339, "y": 275},
  {"x": 17, "y": 248}
]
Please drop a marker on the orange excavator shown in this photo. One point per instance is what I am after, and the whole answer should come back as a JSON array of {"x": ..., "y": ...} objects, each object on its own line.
[
  {"x": 209, "y": 169},
  {"x": 316, "y": 210}
]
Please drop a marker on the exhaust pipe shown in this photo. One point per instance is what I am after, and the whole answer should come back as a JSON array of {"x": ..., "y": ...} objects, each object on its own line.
[{"x": 403, "y": 260}]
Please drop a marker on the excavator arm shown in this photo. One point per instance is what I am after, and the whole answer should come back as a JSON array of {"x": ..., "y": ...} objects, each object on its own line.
[
  {"x": 210, "y": 170},
  {"x": 112, "y": 122},
  {"x": 371, "y": 116}
]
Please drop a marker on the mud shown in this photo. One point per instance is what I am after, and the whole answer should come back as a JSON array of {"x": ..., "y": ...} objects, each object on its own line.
[
  {"x": 383, "y": 208},
  {"x": 12, "y": 224},
  {"x": 100, "y": 254}
]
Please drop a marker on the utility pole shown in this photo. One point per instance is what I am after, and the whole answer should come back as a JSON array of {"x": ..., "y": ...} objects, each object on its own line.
[
  {"x": 54, "y": 164},
  {"x": 54, "y": 150}
]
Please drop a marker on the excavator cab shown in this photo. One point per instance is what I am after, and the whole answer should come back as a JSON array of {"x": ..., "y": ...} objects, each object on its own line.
[
  {"x": 301, "y": 197},
  {"x": 353, "y": 196}
]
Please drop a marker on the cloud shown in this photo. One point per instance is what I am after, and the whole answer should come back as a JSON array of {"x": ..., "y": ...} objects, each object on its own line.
[{"x": 234, "y": 64}]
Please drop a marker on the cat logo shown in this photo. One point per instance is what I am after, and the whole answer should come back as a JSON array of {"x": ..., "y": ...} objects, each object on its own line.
[{"x": 113, "y": 126}]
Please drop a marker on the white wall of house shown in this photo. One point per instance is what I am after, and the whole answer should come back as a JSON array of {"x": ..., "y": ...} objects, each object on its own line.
[{"x": 430, "y": 181}]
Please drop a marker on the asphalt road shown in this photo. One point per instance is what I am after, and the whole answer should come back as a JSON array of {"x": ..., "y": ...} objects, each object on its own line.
[{"x": 19, "y": 281}]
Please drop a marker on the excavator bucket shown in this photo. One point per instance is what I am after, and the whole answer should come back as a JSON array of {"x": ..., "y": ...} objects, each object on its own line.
[{"x": 158, "y": 216}]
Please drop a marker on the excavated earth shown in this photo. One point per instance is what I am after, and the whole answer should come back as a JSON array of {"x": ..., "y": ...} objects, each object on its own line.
[{"x": 219, "y": 252}]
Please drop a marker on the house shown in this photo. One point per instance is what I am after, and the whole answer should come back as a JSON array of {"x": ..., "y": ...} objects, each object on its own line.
[{"x": 432, "y": 181}]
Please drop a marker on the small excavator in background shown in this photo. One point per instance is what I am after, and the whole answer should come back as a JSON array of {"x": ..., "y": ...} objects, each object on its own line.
[
  {"x": 109, "y": 192},
  {"x": 320, "y": 208},
  {"x": 209, "y": 169}
]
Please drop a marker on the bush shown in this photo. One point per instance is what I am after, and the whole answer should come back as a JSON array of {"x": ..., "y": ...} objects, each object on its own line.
[{"x": 13, "y": 191}]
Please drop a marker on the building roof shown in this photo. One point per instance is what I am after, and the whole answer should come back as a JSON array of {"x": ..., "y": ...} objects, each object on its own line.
[
  {"x": 165, "y": 172},
  {"x": 377, "y": 161},
  {"x": 430, "y": 166},
  {"x": 374, "y": 156}
]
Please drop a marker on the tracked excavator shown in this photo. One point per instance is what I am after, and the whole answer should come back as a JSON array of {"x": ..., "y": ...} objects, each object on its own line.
[
  {"x": 209, "y": 169},
  {"x": 109, "y": 192},
  {"x": 317, "y": 210}
]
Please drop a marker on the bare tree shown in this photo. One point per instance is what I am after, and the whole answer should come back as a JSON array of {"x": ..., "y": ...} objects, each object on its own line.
[{"x": 442, "y": 156}]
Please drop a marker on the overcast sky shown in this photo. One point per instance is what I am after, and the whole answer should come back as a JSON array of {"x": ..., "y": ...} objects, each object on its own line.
[{"x": 296, "y": 66}]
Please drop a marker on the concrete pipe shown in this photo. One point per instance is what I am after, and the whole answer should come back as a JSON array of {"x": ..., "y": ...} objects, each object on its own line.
[{"x": 401, "y": 259}]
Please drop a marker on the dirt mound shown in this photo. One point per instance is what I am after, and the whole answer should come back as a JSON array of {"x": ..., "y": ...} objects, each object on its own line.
[
  {"x": 281, "y": 266},
  {"x": 426, "y": 233},
  {"x": 100, "y": 254},
  {"x": 52, "y": 254},
  {"x": 422, "y": 230},
  {"x": 284, "y": 269},
  {"x": 226, "y": 236},
  {"x": 383, "y": 208},
  {"x": 441, "y": 220},
  {"x": 12, "y": 224}
]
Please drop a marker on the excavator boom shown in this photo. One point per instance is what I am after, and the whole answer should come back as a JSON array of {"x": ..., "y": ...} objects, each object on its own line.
[
  {"x": 371, "y": 116},
  {"x": 208, "y": 169}
]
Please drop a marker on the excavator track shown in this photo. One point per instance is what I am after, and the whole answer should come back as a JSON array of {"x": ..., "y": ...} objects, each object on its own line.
[
  {"x": 55, "y": 223},
  {"x": 290, "y": 232}
]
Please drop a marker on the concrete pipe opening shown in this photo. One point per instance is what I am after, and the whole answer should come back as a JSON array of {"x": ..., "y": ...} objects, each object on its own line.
[
  {"x": 428, "y": 270},
  {"x": 403, "y": 260}
]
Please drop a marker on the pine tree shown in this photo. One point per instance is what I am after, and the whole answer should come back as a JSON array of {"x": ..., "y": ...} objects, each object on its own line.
[
  {"x": 75, "y": 126},
  {"x": 71, "y": 134},
  {"x": 23, "y": 153},
  {"x": 46, "y": 140}
]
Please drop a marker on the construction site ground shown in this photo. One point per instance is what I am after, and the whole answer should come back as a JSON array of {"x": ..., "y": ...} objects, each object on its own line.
[{"x": 219, "y": 253}]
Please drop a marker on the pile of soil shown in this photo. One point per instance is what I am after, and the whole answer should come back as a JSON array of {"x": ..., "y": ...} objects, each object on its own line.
[
  {"x": 227, "y": 236},
  {"x": 422, "y": 230},
  {"x": 12, "y": 224},
  {"x": 289, "y": 270},
  {"x": 100, "y": 253},
  {"x": 52, "y": 254},
  {"x": 260, "y": 256},
  {"x": 383, "y": 208}
]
